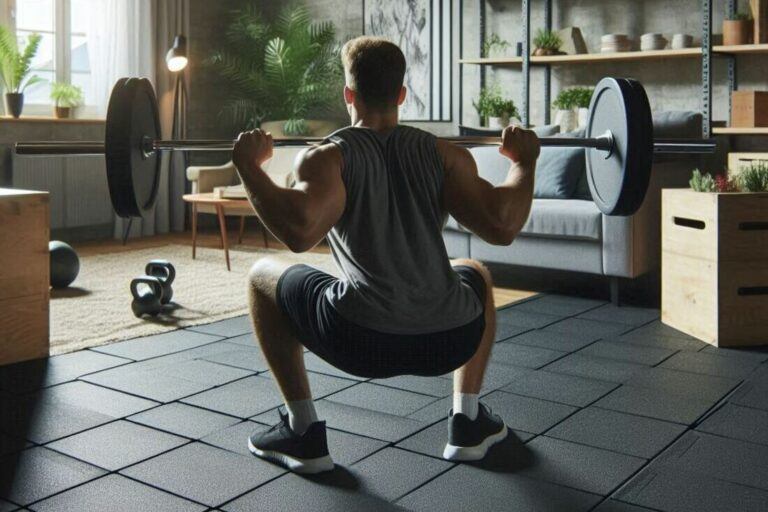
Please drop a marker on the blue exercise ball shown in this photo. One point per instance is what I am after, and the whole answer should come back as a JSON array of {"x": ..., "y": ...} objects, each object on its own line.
[{"x": 65, "y": 265}]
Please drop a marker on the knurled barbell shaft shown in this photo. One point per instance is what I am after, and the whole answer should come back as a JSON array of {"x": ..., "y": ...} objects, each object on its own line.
[{"x": 602, "y": 143}]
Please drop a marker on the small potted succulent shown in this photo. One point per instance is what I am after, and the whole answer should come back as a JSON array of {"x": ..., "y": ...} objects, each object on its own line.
[
  {"x": 547, "y": 42},
  {"x": 15, "y": 66},
  {"x": 65, "y": 98},
  {"x": 572, "y": 107},
  {"x": 738, "y": 29},
  {"x": 497, "y": 110},
  {"x": 495, "y": 46}
]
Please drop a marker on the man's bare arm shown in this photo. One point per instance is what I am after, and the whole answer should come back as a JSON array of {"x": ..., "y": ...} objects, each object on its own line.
[
  {"x": 494, "y": 213},
  {"x": 301, "y": 216}
]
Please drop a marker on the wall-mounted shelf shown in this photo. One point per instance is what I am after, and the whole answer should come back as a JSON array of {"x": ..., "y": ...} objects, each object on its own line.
[
  {"x": 586, "y": 58},
  {"x": 494, "y": 61},
  {"x": 739, "y": 131},
  {"x": 742, "y": 48}
]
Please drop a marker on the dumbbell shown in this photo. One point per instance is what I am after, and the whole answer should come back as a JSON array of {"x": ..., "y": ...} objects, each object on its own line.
[
  {"x": 164, "y": 271},
  {"x": 148, "y": 300}
]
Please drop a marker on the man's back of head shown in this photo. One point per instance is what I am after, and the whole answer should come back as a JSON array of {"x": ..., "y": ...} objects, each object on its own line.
[{"x": 374, "y": 68}]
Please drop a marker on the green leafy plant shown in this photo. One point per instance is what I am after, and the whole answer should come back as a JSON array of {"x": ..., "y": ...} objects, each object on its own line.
[
  {"x": 547, "y": 40},
  {"x": 494, "y": 42},
  {"x": 739, "y": 16},
  {"x": 573, "y": 97},
  {"x": 15, "y": 64},
  {"x": 490, "y": 103},
  {"x": 753, "y": 177},
  {"x": 66, "y": 95},
  {"x": 702, "y": 182},
  {"x": 289, "y": 69}
]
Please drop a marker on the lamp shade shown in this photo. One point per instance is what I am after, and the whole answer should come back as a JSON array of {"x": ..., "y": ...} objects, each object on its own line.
[{"x": 176, "y": 58}]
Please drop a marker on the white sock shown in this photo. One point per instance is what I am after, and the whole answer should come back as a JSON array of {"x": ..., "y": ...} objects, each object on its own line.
[
  {"x": 301, "y": 414},
  {"x": 465, "y": 403}
]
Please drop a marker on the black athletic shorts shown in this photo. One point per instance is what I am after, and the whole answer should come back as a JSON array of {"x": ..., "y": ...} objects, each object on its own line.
[{"x": 365, "y": 352}]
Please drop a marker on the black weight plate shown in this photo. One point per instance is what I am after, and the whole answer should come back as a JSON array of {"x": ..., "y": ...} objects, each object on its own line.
[
  {"x": 133, "y": 175},
  {"x": 641, "y": 165},
  {"x": 612, "y": 108}
]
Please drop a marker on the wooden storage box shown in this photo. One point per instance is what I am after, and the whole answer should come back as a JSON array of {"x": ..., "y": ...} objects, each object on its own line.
[
  {"x": 714, "y": 266},
  {"x": 24, "y": 271},
  {"x": 749, "y": 109}
]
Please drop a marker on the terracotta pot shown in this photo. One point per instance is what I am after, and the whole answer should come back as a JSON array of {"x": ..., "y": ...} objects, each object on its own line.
[
  {"x": 14, "y": 104},
  {"x": 62, "y": 112},
  {"x": 317, "y": 128},
  {"x": 736, "y": 32}
]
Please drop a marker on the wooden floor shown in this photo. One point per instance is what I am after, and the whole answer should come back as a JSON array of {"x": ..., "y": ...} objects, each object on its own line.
[{"x": 252, "y": 238}]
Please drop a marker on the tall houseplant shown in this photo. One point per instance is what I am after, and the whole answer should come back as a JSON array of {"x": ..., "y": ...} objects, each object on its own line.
[
  {"x": 15, "y": 65},
  {"x": 287, "y": 70}
]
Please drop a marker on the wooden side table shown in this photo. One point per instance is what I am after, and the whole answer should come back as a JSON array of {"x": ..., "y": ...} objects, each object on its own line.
[
  {"x": 241, "y": 207},
  {"x": 24, "y": 278}
]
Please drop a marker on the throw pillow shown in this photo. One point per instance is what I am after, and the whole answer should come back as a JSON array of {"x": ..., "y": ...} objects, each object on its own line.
[{"x": 559, "y": 171}]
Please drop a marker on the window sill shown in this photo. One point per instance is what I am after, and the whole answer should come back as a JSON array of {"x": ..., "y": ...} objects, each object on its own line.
[{"x": 49, "y": 119}]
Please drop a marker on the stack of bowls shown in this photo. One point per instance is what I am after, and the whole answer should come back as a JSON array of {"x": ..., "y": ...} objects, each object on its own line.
[
  {"x": 680, "y": 41},
  {"x": 652, "y": 41},
  {"x": 611, "y": 43}
]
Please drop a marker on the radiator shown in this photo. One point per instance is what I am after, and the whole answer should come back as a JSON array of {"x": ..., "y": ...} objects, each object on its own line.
[{"x": 79, "y": 193}]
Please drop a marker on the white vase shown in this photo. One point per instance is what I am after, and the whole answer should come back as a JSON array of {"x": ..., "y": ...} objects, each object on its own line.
[
  {"x": 498, "y": 123},
  {"x": 567, "y": 119},
  {"x": 583, "y": 117}
]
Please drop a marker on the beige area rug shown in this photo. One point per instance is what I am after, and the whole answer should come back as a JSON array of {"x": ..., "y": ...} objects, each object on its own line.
[{"x": 97, "y": 308}]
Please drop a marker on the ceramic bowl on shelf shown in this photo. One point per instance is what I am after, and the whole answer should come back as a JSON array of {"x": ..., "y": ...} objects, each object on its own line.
[
  {"x": 680, "y": 41},
  {"x": 610, "y": 43},
  {"x": 652, "y": 41}
]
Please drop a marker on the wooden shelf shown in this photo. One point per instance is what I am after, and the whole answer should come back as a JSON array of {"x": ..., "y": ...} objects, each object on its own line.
[
  {"x": 586, "y": 58},
  {"x": 742, "y": 48},
  {"x": 46, "y": 119},
  {"x": 739, "y": 131},
  {"x": 619, "y": 56},
  {"x": 494, "y": 61}
]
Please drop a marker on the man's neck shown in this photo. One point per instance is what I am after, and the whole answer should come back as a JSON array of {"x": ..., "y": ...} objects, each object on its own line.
[{"x": 378, "y": 121}]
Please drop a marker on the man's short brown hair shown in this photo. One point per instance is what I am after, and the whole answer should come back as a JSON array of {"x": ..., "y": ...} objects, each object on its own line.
[{"x": 375, "y": 69}]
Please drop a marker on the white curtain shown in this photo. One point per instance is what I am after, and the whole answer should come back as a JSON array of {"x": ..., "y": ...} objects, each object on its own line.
[{"x": 120, "y": 44}]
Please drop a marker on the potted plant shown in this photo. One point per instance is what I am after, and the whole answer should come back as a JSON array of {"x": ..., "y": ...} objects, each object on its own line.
[
  {"x": 572, "y": 107},
  {"x": 15, "y": 65},
  {"x": 284, "y": 72},
  {"x": 547, "y": 42},
  {"x": 495, "y": 109},
  {"x": 495, "y": 46},
  {"x": 737, "y": 29},
  {"x": 65, "y": 97}
]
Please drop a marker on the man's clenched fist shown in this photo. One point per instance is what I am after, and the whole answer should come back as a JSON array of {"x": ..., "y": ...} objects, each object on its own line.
[{"x": 252, "y": 149}]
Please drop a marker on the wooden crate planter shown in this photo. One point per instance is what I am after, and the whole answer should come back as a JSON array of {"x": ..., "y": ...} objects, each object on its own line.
[{"x": 714, "y": 266}]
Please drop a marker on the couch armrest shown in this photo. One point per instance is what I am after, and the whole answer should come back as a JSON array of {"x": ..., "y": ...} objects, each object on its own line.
[
  {"x": 204, "y": 178},
  {"x": 632, "y": 245}
]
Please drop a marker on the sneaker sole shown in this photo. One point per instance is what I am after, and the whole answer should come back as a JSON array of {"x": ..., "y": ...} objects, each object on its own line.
[
  {"x": 302, "y": 466},
  {"x": 477, "y": 452}
]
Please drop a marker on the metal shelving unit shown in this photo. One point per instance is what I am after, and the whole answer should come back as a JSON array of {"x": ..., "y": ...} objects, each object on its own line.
[{"x": 526, "y": 62}]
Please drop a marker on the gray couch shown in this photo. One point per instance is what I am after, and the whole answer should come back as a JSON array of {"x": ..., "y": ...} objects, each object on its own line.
[{"x": 572, "y": 234}]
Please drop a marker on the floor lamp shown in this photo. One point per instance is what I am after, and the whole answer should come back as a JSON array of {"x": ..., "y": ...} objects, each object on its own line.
[{"x": 176, "y": 60}]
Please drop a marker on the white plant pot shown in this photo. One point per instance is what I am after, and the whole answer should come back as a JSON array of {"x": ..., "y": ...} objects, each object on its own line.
[
  {"x": 498, "y": 123},
  {"x": 567, "y": 119},
  {"x": 583, "y": 117}
]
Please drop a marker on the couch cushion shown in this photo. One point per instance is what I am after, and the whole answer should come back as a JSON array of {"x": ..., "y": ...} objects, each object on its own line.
[{"x": 564, "y": 218}]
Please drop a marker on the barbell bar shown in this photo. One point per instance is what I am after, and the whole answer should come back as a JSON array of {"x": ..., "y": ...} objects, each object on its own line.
[
  {"x": 604, "y": 143},
  {"x": 618, "y": 143}
]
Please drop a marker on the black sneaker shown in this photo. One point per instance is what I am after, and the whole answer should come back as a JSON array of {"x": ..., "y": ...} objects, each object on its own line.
[
  {"x": 306, "y": 453},
  {"x": 470, "y": 440}
]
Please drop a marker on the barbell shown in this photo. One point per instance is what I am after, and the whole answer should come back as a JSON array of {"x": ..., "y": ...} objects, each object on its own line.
[{"x": 618, "y": 143}]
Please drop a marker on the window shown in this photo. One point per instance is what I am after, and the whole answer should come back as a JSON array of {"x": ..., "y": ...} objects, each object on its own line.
[{"x": 63, "y": 53}]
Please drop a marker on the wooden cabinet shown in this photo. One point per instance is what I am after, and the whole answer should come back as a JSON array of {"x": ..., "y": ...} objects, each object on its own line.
[
  {"x": 24, "y": 275},
  {"x": 714, "y": 266}
]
